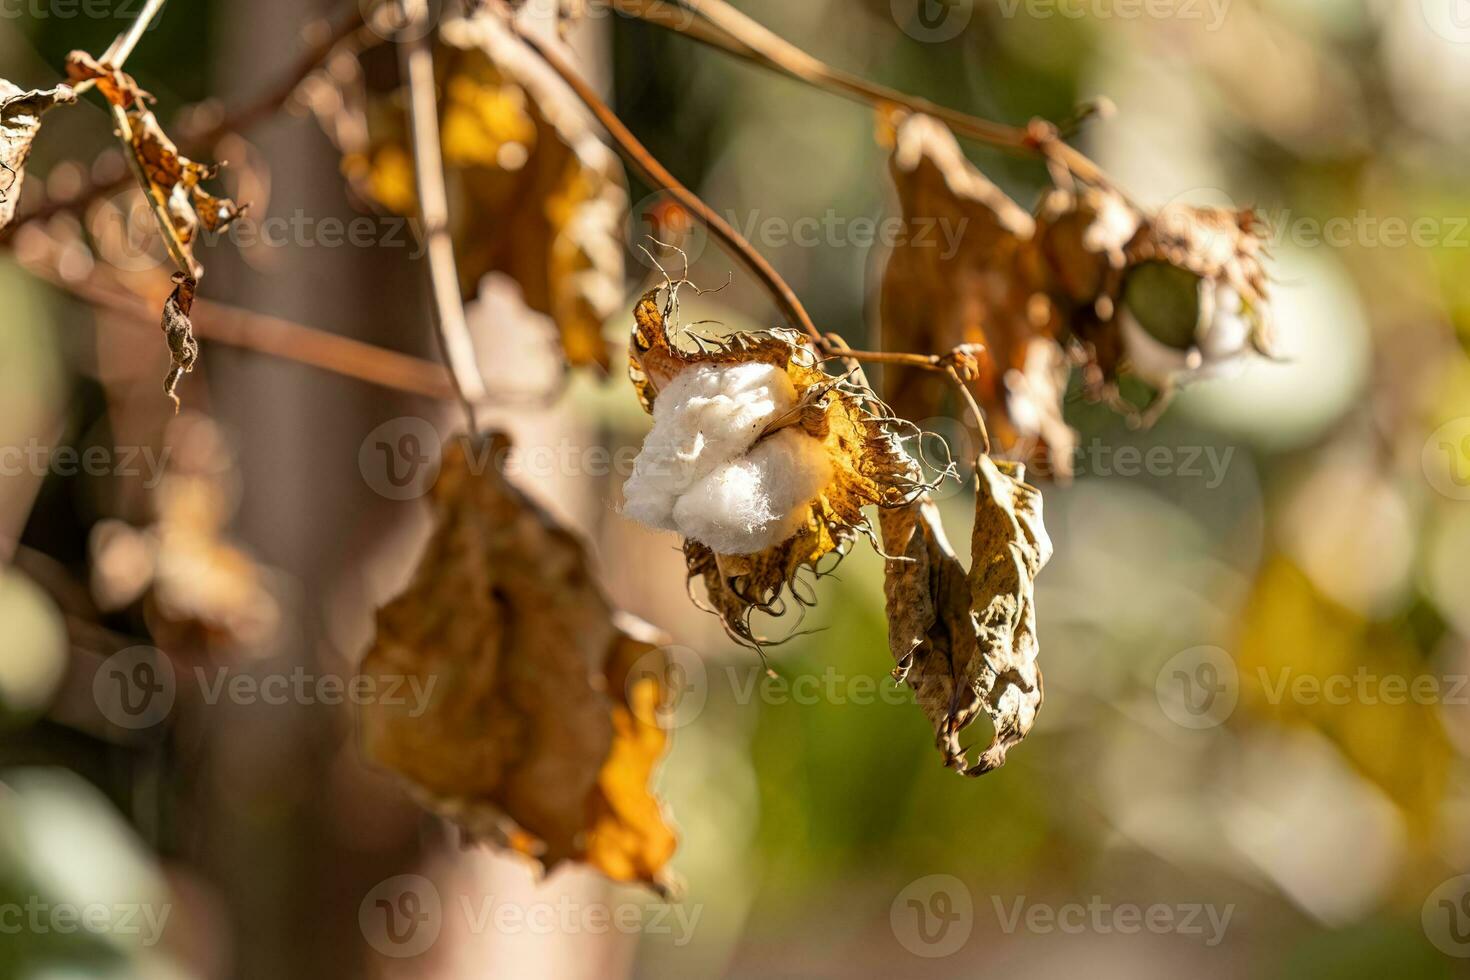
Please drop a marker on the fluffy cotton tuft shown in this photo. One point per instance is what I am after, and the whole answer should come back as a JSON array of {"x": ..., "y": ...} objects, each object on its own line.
[
  {"x": 757, "y": 500},
  {"x": 698, "y": 474}
]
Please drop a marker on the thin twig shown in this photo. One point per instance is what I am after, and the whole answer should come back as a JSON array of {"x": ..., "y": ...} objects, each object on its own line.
[
  {"x": 928, "y": 362},
  {"x": 455, "y": 342},
  {"x": 733, "y": 32},
  {"x": 657, "y": 175},
  {"x": 968, "y": 397},
  {"x": 122, "y": 48},
  {"x": 273, "y": 336}
]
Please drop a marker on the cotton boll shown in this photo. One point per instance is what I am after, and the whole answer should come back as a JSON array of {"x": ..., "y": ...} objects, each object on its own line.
[
  {"x": 757, "y": 500},
  {"x": 705, "y": 416},
  {"x": 1228, "y": 332}
]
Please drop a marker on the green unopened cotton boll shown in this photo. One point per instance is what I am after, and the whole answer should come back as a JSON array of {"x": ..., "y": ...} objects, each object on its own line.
[{"x": 1165, "y": 300}]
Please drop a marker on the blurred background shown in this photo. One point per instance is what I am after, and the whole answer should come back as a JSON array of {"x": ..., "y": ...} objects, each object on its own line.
[{"x": 1255, "y": 631}]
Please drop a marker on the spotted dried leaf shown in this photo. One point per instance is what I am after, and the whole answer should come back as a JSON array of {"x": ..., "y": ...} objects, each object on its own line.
[
  {"x": 966, "y": 642},
  {"x": 520, "y": 151},
  {"x": 539, "y": 736},
  {"x": 857, "y": 432},
  {"x": 20, "y": 120}
]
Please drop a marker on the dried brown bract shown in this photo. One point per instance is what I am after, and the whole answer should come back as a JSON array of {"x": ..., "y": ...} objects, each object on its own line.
[
  {"x": 537, "y": 737},
  {"x": 20, "y": 120},
  {"x": 966, "y": 642}
]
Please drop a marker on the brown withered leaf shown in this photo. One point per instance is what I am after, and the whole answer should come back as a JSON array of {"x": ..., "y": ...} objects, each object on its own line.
[
  {"x": 200, "y": 589},
  {"x": 178, "y": 332},
  {"x": 20, "y": 120},
  {"x": 116, "y": 85},
  {"x": 176, "y": 177},
  {"x": 536, "y": 737},
  {"x": 976, "y": 268},
  {"x": 520, "y": 152},
  {"x": 958, "y": 277},
  {"x": 966, "y": 642},
  {"x": 870, "y": 465}
]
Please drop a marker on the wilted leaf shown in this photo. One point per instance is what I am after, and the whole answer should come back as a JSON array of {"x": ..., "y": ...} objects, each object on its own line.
[
  {"x": 1040, "y": 293},
  {"x": 20, "y": 120},
  {"x": 958, "y": 276},
  {"x": 535, "y": 737},
  {"x": 116, "y": 85},
  {"x": 966, "y": 643},
  {"x": 869, "y": 465},
  {"x": 178, "y": 331},
  {"x": 200, "y": 588},
  {"x": 534, "y": 192}
]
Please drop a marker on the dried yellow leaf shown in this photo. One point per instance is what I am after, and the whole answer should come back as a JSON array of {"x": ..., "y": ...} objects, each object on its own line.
[
  {"x": 536, "y": 737},
  {"x": 535, "y": 194}
]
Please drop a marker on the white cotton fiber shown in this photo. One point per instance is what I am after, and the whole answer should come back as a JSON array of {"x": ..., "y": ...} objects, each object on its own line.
[
  {"x": 757, "y": 500},
  {"x": 698, "y": 474}
]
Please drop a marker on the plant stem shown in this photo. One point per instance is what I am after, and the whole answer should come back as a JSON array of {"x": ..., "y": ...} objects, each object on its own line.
[
  {"x": 458, "y": 348},
  {"x": 122, "y": 48},
  {"x": 929, "y": 362},
  {"x": 733, "y": 32},
  {"x": 272, "y": 336},
  {"x": 657, "y": 175}
]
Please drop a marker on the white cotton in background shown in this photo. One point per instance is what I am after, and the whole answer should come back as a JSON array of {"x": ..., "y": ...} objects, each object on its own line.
[
  {"x": 697, "y": 473},
  {"x": 757, "y": 500},
  {"x": 705, "y": 416}
]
